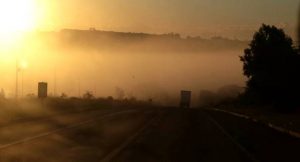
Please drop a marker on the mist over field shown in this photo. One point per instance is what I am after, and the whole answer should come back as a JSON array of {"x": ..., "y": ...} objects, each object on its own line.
[{"x": 140, "y": 65}]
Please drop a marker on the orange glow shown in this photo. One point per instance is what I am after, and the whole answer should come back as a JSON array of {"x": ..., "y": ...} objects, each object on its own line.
[
  {"x": 23, "y": 64},
  {"x": 16, "y": 17}
]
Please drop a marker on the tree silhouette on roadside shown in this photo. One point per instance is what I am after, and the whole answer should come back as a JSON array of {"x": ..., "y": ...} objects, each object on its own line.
[
  {"x": 272, "y": 66},
  {"x": 88, "y": 95}
]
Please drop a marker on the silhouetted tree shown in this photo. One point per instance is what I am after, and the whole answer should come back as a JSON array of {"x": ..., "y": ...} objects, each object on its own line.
[
  {"x": 88, "y": 95},
  {"x": 271, "y": 64},
  {"x": 110, "y": 98},
  {"x": 63, "y": 95}
]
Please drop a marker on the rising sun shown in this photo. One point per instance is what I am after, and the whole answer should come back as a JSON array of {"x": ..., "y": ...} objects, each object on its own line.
[{"x": 16, "y": 16}]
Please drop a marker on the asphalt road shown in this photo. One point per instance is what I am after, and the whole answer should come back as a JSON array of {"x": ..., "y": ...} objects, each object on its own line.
[{"x": 145, "y": 135}]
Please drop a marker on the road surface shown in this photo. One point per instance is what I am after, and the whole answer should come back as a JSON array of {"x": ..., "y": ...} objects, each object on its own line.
[{"x": 144, "y": 135}]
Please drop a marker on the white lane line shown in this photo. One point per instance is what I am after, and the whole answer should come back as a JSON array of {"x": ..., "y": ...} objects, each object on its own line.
[
  {"x": 270, "y": 125},
  {"x": 28, "y": 139},
  {"x": 232, "y": 113},
  {"x": 115, "y": 152},
  {"x": 242, "y": 148}
]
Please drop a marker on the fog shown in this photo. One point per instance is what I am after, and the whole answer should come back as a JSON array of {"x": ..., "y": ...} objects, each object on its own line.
[{"x": 144, "y": 68}]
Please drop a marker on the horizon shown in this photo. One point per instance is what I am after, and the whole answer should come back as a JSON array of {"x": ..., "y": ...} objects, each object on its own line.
[
  {"x": 146, "y": 33},
  {"x": 162, "y": 34},
  {"x": 232, "y": 19}
]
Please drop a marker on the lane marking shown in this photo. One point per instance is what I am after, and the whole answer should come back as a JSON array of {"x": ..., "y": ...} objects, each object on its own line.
[
  {"x": 270, "y": 125},
  {"x": 116, "y": 151},
  {"x": 29, "y": 139},
  {"x": 242, "y": 148}
]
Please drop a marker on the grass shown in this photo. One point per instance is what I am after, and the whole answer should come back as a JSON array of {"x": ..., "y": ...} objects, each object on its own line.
[{"x": 12, "y": 110}]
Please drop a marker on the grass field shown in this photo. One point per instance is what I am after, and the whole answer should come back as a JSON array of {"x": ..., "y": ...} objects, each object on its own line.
[{"x": 23, "y": 109}]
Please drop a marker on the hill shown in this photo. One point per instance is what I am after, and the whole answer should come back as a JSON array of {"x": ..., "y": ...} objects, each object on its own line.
[{"x": 111, "y": 40}]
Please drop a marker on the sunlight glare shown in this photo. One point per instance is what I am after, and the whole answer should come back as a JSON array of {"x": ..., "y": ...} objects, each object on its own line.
[
  {"x": 16, "y": 17},
  {"x": 23, "y": 64}
]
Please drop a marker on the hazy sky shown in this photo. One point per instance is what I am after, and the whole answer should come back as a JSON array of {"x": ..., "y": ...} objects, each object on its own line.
[
  {"x": 233, "y": 18},
  {"x": 207, "y": 18}
]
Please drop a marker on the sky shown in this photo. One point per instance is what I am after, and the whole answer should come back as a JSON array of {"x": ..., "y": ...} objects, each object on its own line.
[
  {"x": 230, "y": 18},
  {"x": 237, "y": 19}
]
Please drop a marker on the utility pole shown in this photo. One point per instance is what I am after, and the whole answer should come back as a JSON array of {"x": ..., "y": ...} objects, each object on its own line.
[
  {"x": 17, "y": 78},
  {"x": 95, "y": 89},
  {"x": 54, "y": 88},
  {"x": 22, "y": 83},
  {"x": 79, "y": 89}
]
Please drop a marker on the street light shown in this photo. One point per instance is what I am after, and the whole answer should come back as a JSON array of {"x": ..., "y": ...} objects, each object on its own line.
[
  {"x": 17, "y": 77},
  {"x": 20, "y": 66},
  {"x": 23, "y": 66}
]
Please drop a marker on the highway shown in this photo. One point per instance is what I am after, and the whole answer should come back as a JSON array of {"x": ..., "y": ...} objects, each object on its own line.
[{"x": 144, "y": 135}]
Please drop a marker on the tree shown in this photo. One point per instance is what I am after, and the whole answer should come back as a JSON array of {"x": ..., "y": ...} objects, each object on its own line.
[
  {"x": 271, "y": 64},
  {"x": 63, "y": 95},
  {"x": 88, "y": 95}
]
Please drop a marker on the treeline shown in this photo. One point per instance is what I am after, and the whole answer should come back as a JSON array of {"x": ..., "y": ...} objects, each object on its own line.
[
  {"x": 228, "y": 94},
  {"x": 110, "y": 40}
]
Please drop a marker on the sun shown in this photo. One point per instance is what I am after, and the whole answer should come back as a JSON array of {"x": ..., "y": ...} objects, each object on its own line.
[{"x": 17, "y": 15}]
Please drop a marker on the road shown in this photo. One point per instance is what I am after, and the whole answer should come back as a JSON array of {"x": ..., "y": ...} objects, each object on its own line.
[{"x": 144, "y": 135}]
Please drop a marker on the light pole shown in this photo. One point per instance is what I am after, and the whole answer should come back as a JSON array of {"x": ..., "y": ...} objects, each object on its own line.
[
  {"x": 54, "y": 87},
  {"x": 23, "y": 66},
  {"x": 79, "y": 89},
  {"x": 20, "y": 66},
  {"x": 17, "y": 77},
  {"x": 22, "y": 92}
]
